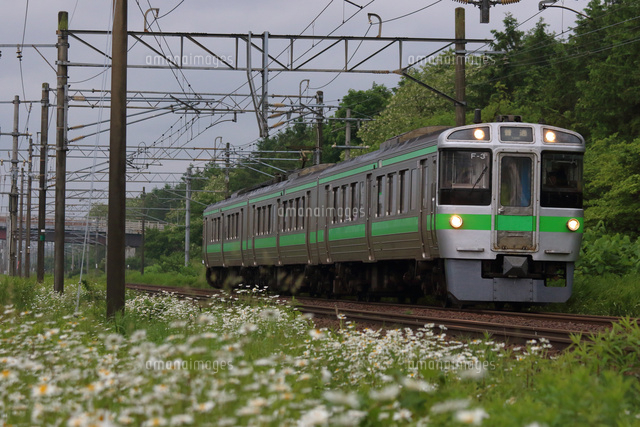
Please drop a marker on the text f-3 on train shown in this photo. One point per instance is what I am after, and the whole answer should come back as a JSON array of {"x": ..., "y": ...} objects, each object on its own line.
[{"x": 490, "y": 212}]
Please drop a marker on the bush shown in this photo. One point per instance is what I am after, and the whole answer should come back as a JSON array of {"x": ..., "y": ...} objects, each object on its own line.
[{"x": 603, "y": 253}]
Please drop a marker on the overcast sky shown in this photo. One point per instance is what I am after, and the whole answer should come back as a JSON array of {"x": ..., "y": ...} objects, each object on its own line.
[{"x": 206, "y": 16}]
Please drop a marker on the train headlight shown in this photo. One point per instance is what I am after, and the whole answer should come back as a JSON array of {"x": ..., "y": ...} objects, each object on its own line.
[
  {"x": 573, "y": 224},
  {"x": 478, "y": 134},
  {"x": 455, "y": 221},
  {"x": 550, "y": 136}
]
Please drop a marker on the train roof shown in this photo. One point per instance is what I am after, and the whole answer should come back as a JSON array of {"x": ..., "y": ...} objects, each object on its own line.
[{"x": 390, "y": 147}]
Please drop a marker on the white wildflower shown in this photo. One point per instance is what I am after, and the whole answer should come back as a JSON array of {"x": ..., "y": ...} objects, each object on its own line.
[
  {"x": 317, "y": 416},
  {"x": 473, "y": 416}
]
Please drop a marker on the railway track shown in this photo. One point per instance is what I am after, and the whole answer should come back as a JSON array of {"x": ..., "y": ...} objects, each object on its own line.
[{"x": 513, "y": 327}]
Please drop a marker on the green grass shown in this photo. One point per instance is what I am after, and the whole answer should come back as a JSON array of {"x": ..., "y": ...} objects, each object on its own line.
[
  {"x": 249, "y": 361},
  {"x": 607, "y": 295}
]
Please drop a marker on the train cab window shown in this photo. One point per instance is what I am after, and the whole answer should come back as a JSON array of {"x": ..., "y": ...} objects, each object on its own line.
[
  {"x": 465, "y": 177},
  {"x": 515, "y": 181},
  {"x": 561, "y": 177}
]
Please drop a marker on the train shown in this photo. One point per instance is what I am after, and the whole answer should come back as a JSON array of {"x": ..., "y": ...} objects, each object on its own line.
[{"x": 488, "y": 212}]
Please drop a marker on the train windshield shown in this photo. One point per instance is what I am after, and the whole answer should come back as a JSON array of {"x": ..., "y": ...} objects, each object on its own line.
[
  {"x": 465, "y": 177},
  {"x": 561, "y": 180}
]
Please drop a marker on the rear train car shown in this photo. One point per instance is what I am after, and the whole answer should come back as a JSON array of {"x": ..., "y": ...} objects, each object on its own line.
[{"x": 488, "y": 212}]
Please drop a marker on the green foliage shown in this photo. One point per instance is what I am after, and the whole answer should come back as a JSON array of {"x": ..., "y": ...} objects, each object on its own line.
[
  {"x": 616, "y": 349},
  {"x": 612, "y": 174},
  {"x": 608, "y": 254},
  {"x": 414, "y": 106}
]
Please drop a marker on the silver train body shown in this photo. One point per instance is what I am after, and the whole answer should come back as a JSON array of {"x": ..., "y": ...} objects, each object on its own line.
[{"x": 488, "y": 212}]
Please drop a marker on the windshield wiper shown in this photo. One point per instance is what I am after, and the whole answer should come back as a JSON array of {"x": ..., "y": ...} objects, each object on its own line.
[{"x": 480, "y": 177}]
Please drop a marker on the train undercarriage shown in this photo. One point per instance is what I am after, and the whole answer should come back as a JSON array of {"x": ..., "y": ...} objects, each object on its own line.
[{"x": 406, "y": 279}]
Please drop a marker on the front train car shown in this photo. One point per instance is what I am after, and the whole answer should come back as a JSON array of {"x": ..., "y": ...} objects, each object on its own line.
[{"x": 509, "y": 216}]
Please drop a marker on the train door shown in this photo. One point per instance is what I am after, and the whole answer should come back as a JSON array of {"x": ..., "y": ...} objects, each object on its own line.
[
  {"x": 254, "y": 230},
  {"x": 328, "y": 218},
  {"x": 241, "y": 228},
  {"x": 367, "y": 201},
  {"x": 515, "y": 222},
  {"x": 426, "y": 193},
  {"x": 307, "y": 223}
]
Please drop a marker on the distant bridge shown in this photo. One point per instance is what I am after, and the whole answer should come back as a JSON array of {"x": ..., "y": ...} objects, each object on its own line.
[{"x": 75, "y": 231}]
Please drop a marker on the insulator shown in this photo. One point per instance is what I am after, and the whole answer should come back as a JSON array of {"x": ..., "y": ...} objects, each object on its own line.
[
  {"x": 509, "y": 1},
  {"x": 462, "y": 1}
]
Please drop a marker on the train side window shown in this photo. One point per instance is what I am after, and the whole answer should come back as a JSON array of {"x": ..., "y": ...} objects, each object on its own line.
[
  {"x": 297, "y": 217},
  {"x": 343, "y": 203},
  {"x": 403, "y": 192},
  {"x": 351, "y": 209},
  {"x": 381, "y": 182},
  {"x": 414, "y": 189},
  {"x": 392, "y": 204},
  {"x": 336, "y": 199},
  {"x": 267, "y": 219},
  {"x": 283, "y": 216},
  {"x": 363, "y": 198}
]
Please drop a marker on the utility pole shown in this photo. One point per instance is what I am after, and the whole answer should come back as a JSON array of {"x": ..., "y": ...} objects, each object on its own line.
[
  {"x": 13, "y": 196},
  {"x": 61, "y": 151},
  {"x": 318, "y": 152},
  {"x": 460, "y": 67},
  {"x": 27, "y": 245},
  {"x": 117, "y": 163},
  {"x": 187, "y": 220},
  {"x": 347, "y": 135},
  {"x": 144, "y": 215},
  {"x": 42, "y": 194},
  {"x": 20, "y": 224},
  {"x": 227, "y": 166},
  {"x": 265, "y": 82}
]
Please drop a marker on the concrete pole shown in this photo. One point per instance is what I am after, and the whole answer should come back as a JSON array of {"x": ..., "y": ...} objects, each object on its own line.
[
  {"x": 42, "y": 193},
  {"x": 61, "y": 151},
  {"x": 347, "y": 136},
  {"x": 227, "y": 166},
  {"x": 117, "y": 163},
  {"x": 27, "y": 237},
  {"x": 460, "y": 66},
  {"x": 12, "y": 227},
  {"x": 144, "y": 216},
  {"x": 318, "y": 151},
  {"x": 187, "y": 220},
  {"x": 265, "y": 83},
  {"x": 21, "y": 225}
]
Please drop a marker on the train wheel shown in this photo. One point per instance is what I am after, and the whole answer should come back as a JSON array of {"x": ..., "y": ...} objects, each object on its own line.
[{"x": 210, "y": 281}]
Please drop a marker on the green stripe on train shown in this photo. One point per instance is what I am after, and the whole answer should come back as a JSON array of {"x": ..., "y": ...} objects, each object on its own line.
[
  {"x": 347, "y": 232},
  {"x": 411, "y": 155},
  {"x": 293, "y": 239},
  {"x": 558, "y": 224},
  {"x": 348, "y": 173},
  {"x": 469, "y": 222},
  {"x": 395, "y": 226},
  {"x": 515, "y": 223}
]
